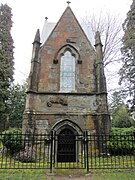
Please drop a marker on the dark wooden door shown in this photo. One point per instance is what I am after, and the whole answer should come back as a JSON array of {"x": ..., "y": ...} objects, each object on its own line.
[{"x": 66, "y": 151}]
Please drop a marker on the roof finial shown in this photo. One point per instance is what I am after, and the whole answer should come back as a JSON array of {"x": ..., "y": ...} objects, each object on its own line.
[
  {"x": 46, "y": 18},
  {"x": 68, "y": 2}
]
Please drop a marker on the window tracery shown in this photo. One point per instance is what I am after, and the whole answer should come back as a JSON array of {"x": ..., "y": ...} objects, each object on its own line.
[{"x": 67, "y": 72}]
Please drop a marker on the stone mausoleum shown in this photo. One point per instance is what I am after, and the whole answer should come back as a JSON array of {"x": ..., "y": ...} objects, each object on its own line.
[{"x": 67, "y": 86}]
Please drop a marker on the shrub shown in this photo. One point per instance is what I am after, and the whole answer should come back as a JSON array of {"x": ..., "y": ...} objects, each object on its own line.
[
  {"x": 27, "y": 155},
  {"x": 117, "y": 131},
  {"x": 121, "y": 141},
  {"x": 12, "y": 140}
]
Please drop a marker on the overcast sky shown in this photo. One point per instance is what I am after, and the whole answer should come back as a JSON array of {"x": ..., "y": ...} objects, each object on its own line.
[{"x": 29, "y": 15}]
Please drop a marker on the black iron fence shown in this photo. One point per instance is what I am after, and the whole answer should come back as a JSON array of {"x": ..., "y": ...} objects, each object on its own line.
[{"x": 48, "y": 151}]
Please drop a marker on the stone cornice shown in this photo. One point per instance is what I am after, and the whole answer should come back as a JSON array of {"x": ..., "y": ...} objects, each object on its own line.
[{"x": 67, "y": 93}]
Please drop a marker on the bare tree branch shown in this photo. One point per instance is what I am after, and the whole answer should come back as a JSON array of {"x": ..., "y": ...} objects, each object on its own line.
[
  {"x": 111, "y": 32},
  {"x": 111, "y": 35}
]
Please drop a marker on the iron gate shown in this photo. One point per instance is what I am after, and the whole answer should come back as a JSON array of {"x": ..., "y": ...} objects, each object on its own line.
[
  {"x": 69, "y": 150},
  {"x": 66, "y": 146}
]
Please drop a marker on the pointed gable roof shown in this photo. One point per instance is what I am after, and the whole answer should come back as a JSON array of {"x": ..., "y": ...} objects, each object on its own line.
[{"x": 71, "y": 23}]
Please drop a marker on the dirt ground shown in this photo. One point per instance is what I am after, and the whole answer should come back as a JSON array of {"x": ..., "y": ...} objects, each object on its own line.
[
  {"x": 86, "y": 177},
  {"x": 71, "y": 174}
]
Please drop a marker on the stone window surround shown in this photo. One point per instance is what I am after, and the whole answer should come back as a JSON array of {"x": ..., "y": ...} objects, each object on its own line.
[{"x": 74, "y": 53}]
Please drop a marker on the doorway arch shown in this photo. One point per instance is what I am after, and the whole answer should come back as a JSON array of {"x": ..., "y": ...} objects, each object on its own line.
[
  {"x": 62, "y": 124},
  {"x": 66, "y": 143},
  {"x": 66, "y": 146}
]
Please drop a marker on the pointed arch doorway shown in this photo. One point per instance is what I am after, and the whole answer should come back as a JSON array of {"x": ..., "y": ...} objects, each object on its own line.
[
  {"x": 66, "y": 151},
  {"x": 66, "y": 144}
]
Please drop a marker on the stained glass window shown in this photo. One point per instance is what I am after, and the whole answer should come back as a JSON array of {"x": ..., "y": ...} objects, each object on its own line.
[{"x": 67, "y": 72}]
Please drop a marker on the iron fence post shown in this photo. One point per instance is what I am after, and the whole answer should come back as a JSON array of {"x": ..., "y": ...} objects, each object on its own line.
[
  {"x": 54, "y": 145},
  {"x": 87, "y": 153},
  {"x": 84, "y": 149},
  {"x": 51, "y": 152}
]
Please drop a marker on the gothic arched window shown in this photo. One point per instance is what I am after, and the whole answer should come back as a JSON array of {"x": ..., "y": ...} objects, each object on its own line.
[{"x": 67, "y": 72}]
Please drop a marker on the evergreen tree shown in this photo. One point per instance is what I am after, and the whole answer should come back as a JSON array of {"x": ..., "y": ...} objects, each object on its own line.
[
  {"x": 127, "y": 72},
  {"x": 117, "y": 101},
  {"x": 120, "y": 112},
  {"x": 121, "y": 118},
  {"x": 16, "y": 105},
  {"x": 6, "y": 60}
]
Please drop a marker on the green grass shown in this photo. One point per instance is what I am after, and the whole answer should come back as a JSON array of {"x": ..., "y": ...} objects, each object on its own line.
[
  {"x": 114, "y": 175},
  {"x": 117, "y": 162},
  {"x": 97, "y": 174},
  {"x": 43, "y": 174},
  {"x": 23, "y": 175}
]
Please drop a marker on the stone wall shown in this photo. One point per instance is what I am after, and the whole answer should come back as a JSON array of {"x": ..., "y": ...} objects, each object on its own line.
[
  {"x": 48, "y": 109},
  {"x": 67, "y": 103},
  {"x": 67, "y": 35}
]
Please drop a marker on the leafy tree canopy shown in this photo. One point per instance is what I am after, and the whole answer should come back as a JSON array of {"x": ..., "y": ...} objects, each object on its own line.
[
  {"x": 121, "y": 118},
  {"x": 127, "y": 72}
]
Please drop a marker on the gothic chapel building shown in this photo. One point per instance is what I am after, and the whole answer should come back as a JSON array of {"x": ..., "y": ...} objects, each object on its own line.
[{"x": 67, "y": 86}]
